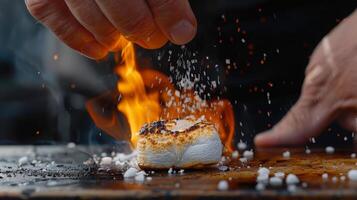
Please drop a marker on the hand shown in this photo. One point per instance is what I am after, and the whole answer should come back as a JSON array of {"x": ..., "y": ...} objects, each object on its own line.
[
  {"x": 93, "y": 27},
  {"x": 329, "y": 91}
]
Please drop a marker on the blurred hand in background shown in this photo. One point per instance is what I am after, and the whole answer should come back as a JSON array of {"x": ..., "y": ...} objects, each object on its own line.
[
  {"x": 329, "y": 92},
  {"x": 93, "y": 27}
]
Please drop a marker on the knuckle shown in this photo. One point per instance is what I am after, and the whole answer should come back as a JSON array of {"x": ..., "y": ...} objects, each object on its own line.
[
  {"x": 38, "y": 8},
  {"x": 160, "y": 4}
]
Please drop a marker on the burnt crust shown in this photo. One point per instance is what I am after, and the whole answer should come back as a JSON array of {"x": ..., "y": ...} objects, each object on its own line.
[{"x": 159, "y": 127}]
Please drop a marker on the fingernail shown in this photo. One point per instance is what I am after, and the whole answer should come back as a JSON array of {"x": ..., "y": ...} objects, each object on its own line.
[
  {"x": 94, "y": 50},
  {"x": 182, "y": 32}
]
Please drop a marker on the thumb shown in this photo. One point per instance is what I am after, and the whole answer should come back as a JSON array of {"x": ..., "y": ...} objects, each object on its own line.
[{"x": 307, "y": 118}]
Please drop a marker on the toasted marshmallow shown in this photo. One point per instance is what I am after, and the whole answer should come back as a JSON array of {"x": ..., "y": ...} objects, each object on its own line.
[{"x": 182, "y": 143}]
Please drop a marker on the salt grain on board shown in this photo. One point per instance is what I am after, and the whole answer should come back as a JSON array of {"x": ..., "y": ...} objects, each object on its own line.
[
  {"x": 292, "y": 179},
  {"x": 275, "y": 181},
  {"x": 286, "y": 154},
  {"x": 248, "y": 154},
  {"x": 223, "y": 185},
  {"x": 329, "y": 150},
  {"x": 352, "y": 175}
]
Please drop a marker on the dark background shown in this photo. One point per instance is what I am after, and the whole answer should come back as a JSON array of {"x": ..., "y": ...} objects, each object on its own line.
[{"x": 267, "y": 43}]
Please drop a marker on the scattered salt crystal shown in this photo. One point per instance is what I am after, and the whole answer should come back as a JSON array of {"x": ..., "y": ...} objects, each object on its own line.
[
  {"x": 223, "y": 168},
  {"x": 223, "y": 185},
  {"x": 242, "y": 146},
  {"x": 313, "y": 140},
  {"x": 279, "y": 174},
  {"x": 149, "y": 178},
  {"x": 181, "y": 171},
  {"x": 131, "y": 172},
  {"x": 23, "y": 160},
  {"x": 235, "y": 154},
  {"x": 324, "y": 176},
  {"x": 71, "y": 145},
  {"x": 262, "y": 178},
  {"x": 177, "y": 185},
  {"x": 342, "y": 178},
  {"x": 275, "y": 181},
  {"x": 307, "y": 151},
  {"x": 260, "y": 186},
  {"x": 353, "y": 155},
  {"x": 292, "y": 188},
  {"x": 352, "y": 175},
  {"x": 243, "y": 160},
  {"x": 140, "y": 177},
  {"x": 263, "y": 170},
  {"x": 286, "y": 154},
  {"x": 170, "y": 171},
  {"x": 334, "y": 179},
  {"x": 329, "y": 150},
  {"x": 106, "y": 161},
  {"x": 304, "y": 185},
  {"x": 292, "y": 179},
  {"x": 228, "y": 61},
  {"x": 248, "y": 154}
]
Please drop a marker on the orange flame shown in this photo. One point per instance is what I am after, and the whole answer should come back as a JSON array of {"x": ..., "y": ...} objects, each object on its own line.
[{"x": 148, "y": 95}]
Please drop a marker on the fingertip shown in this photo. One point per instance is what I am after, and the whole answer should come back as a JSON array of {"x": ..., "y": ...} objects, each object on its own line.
[
  {"x": 182, "y": 32},
  {"x": 263, "y": 139}
]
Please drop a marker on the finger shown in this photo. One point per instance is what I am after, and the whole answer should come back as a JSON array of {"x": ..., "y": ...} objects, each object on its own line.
[
  {"x": 349, "y": 121},
  {"x": 307, "y": 118},
  {"x": 175, "y": 19},
  {"x": 91, "y": 17},
  {"x": 56, "y": 16},
  {"x": 134, "y": 20}
]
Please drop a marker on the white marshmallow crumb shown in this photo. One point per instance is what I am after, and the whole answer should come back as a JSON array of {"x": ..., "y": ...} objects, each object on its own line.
[
  {"x": 292, "y": 179},
  {"x": 223, "y": 185},
  {"x": 235, "y": 154},
  {"x": 352, "y": 175},
  {"x": 286, "y": 154},
  {"x": 275, "y": 181},
  {"x": 131, "y": 172},
  {"x": 330, "y": 150},
  {"x": 248, "y": 154}
]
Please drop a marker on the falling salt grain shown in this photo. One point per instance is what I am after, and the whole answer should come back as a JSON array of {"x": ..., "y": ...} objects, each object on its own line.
[
  {"x": 223, "y": 185},
  {"x": 286, "y": 154},
  {"x": 131, "y": 172},
  {"x": 235, "y": 154},
  {"x": 352, "y": 175},
  {"x": 292, "y": 179},
  {"x": 242, "y": 146},
  {"x": 329, "y": 150},
  {"x": 275, "y": 181}
]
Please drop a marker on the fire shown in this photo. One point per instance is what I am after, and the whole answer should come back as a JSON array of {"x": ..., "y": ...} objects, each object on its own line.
[{"x": 147, "y": 95}]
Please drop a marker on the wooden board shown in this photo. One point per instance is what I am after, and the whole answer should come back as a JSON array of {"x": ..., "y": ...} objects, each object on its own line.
[{"x": 73, "y": 179}]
